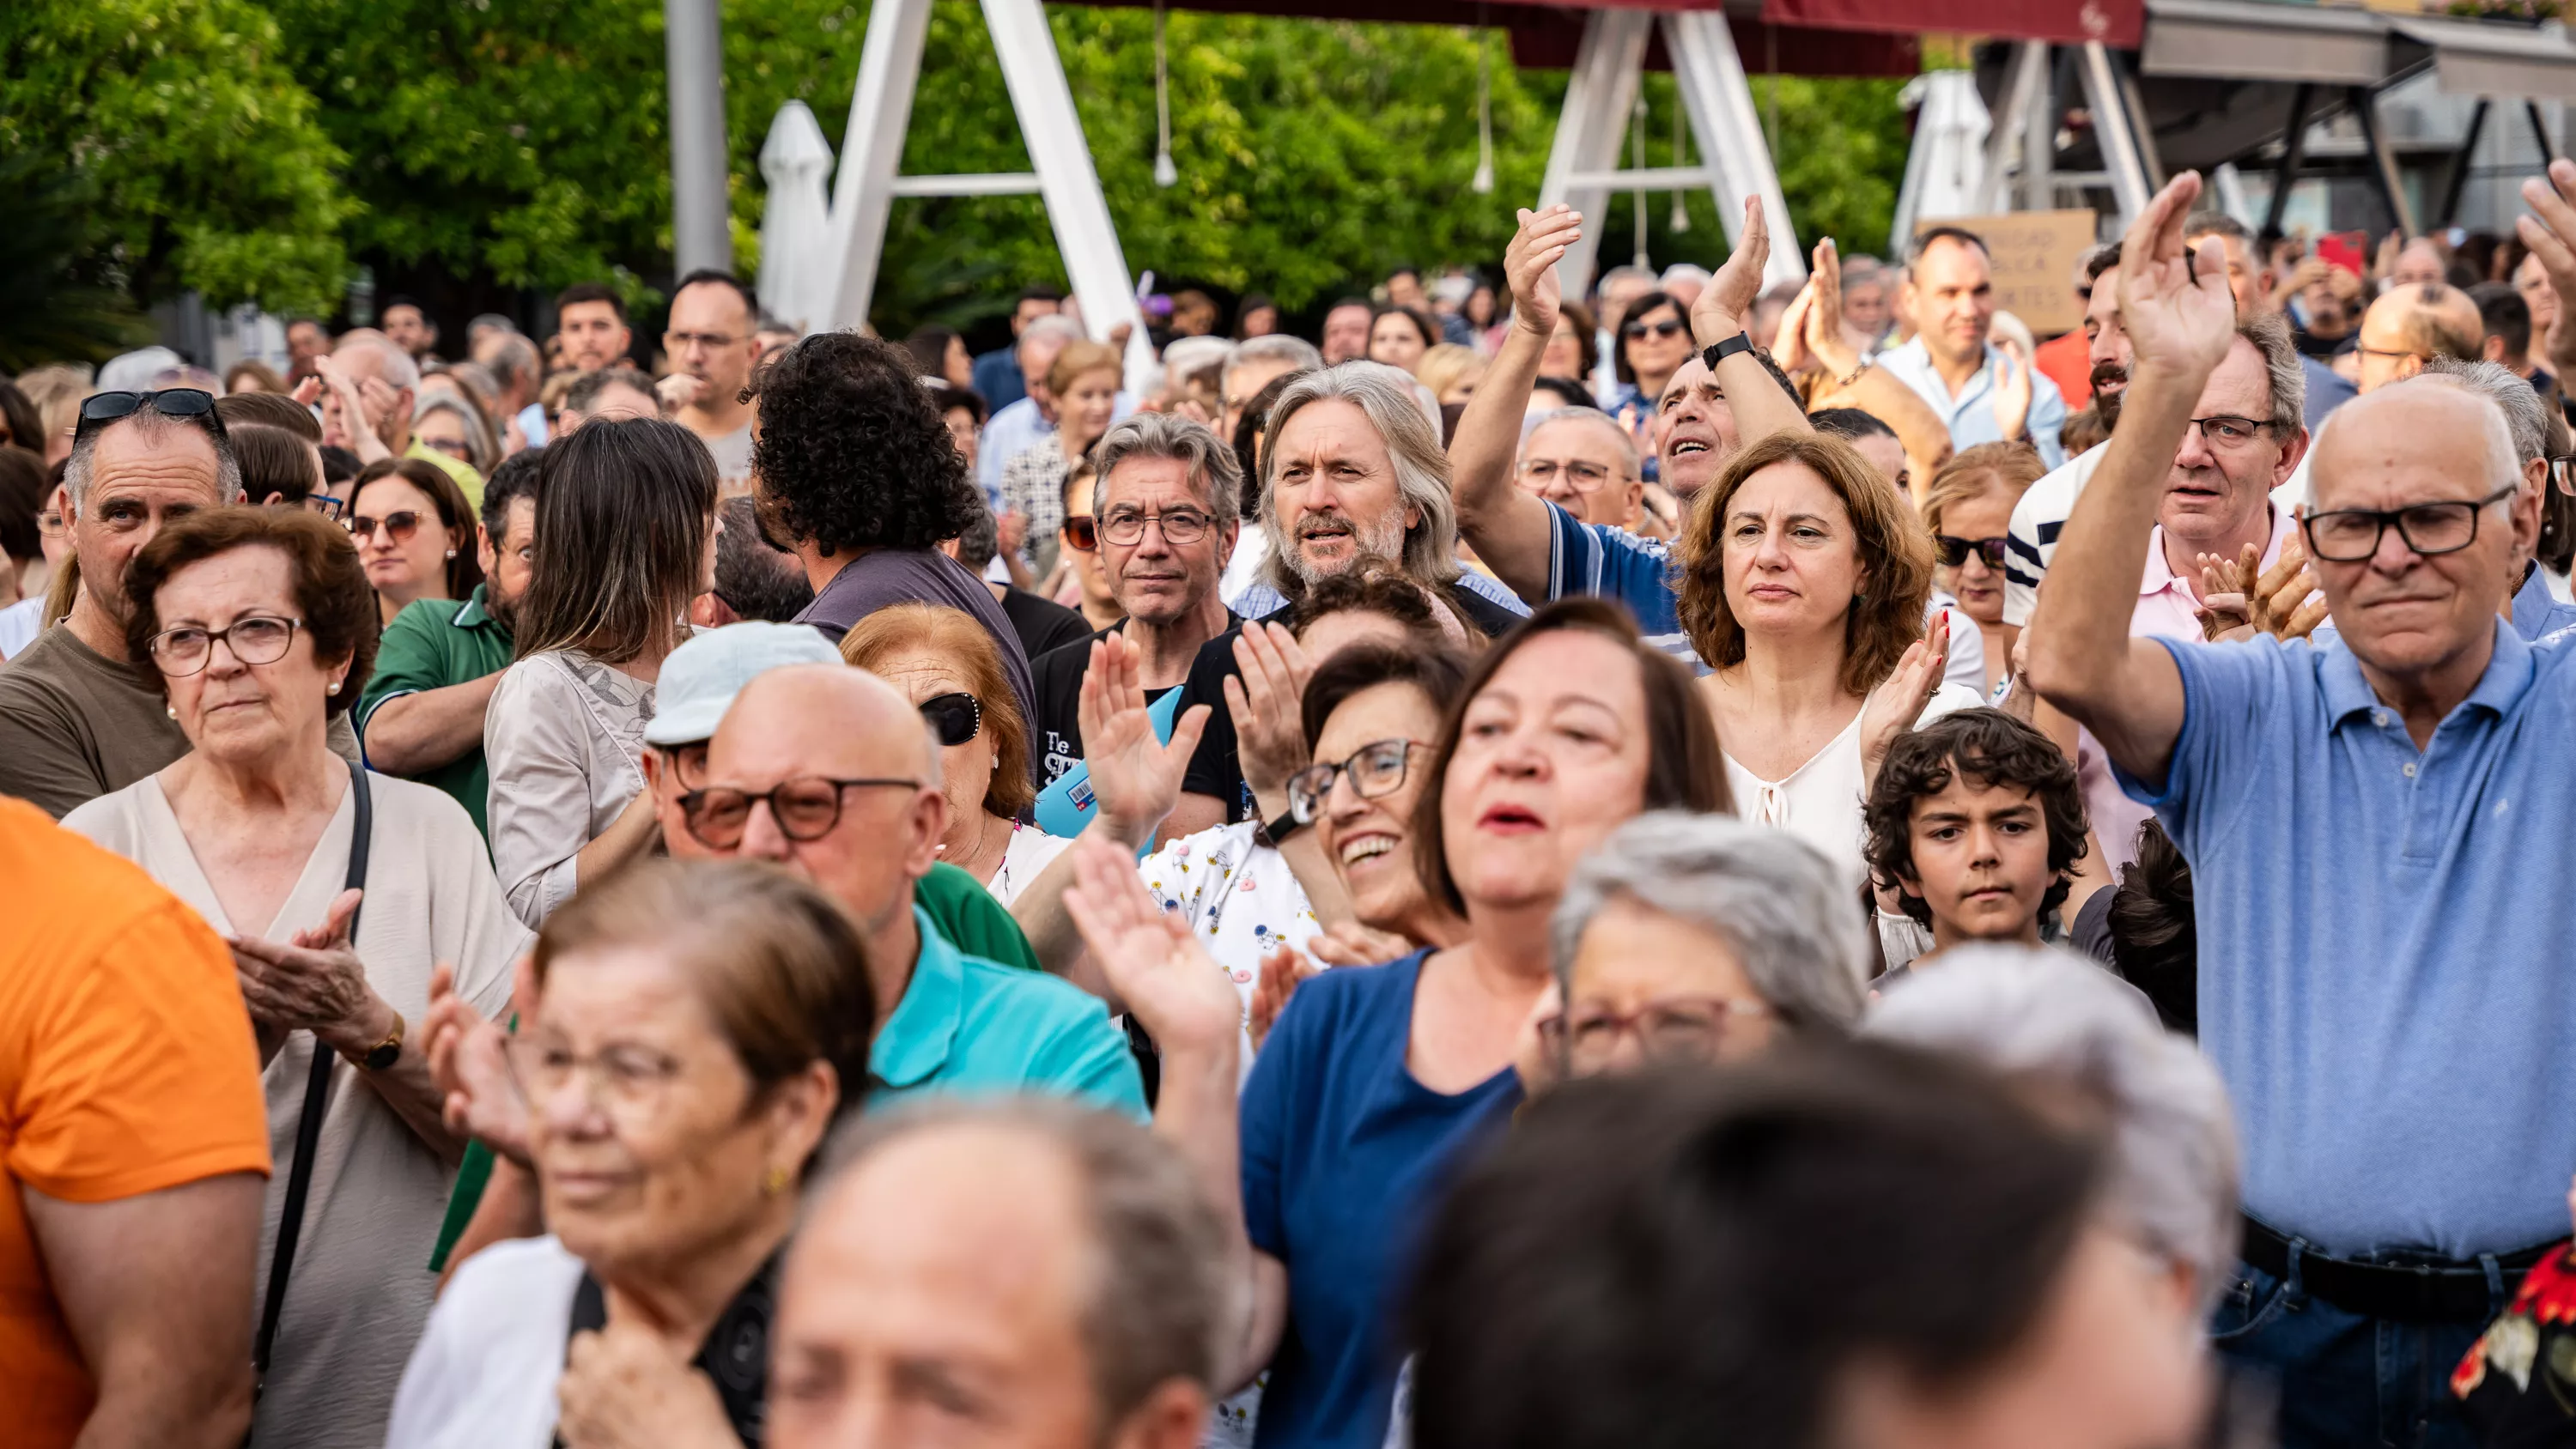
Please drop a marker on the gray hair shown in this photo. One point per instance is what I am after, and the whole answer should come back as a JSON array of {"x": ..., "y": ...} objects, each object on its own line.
[
  {"x": 1686, "y": 272},
  {"x": 514, "y": 361},
  {"x": 1385, "y": 396},
  {"x": 479, "y": 442},
  {"x": 154, "y": 426},
  {"x": 583, "y": 395},
  {"x": 1159, "y": 1299},
  {"x": 394, "y": 366},
  {"x": 1053, "y": 324},
  {"x": 2060, "y": 1020},
  {"x": 1213, "y": 467},
  {"x": 1627, "y": 445},
  {"x": 1792, "y": 916},
  {"x": 1300, "y": 354},
  {"x": 1625, "y": 274},
  {"x": 2524, "y": 418},
  {"x": 2270, "y": 336}
]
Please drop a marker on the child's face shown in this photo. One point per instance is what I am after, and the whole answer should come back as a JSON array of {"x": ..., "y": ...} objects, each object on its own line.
[{"x": 1981, "y": 861}]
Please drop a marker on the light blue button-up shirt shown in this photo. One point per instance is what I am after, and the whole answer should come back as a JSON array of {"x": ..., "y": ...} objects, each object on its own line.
[
  {"x": 2385, "y": 935},
  {"x": 969, "y": 1025},
  {"x": 1971, "y": 415}
]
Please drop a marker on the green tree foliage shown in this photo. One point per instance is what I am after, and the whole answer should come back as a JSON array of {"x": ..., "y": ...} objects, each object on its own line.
[
  {"x": 203, "y": 153},
  {"x": 48, "y": 309}
]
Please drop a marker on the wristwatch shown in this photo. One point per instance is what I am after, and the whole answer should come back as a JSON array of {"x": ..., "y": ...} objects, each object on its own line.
[
  {"x": 1280, "y": 829},
  {"x": 1723, "y": 348},
  {"x": 385, "y": 1053}
]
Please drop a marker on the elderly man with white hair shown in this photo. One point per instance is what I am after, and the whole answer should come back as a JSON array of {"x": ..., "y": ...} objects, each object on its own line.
[
  {"x": 2363, "y": 818},
  {"x": 371, "y": 392}
]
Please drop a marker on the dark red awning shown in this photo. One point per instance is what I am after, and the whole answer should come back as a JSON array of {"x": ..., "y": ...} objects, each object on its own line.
[{"x": 2116, "y": 23}]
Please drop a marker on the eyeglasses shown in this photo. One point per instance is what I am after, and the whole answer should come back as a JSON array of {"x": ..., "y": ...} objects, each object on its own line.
[
  {"x": 326, "y": 505},
  {"x": 1375, "y": 770},
  {"x": 1955, "y": 551},
  {"x": 958, "y": 717},
  {"x": 170, "y": 402},
  {"x": 1686, "y": 1028},
  {"x": 253, "y": 639},
  {"x": 2398, "y": 353},
  {"x": 680, "y": 341},
  {"x": 397, "y": 526},
  {"x": 1082, "y": 533},
  {"x": 2227, "y": 434},
  {"x": 49, "y": 524},
  {"x": 1584, "y": 477},
  {"x": 1665, "y": 328},
  {"x": 806, "y": 809},
  {"x": 1125, "y": 527},
  {"x": 688, "y": 763},
  {"x": 2562, "y": 471},
  {"x": 2350, "y": 535},
  {"x": 627, "y": 1082}
]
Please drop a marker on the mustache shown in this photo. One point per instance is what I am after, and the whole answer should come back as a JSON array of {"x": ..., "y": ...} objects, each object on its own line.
[{"x": 2108, "y": 373}]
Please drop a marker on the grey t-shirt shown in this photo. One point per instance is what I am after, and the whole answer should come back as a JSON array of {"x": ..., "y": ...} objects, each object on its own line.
[
  {"x": 882, "y": 576},
  {"x": 732, "y": 453}
]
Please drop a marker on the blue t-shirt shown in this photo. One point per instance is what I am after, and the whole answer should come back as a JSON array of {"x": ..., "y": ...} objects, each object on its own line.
[
  {"x": 1342, "y": 1150},
  {"x": 2384, "y": 935},
  {"x": 1612, "y": 563}
]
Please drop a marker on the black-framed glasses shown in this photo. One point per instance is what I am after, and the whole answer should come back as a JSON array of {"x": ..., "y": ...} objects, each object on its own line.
[
  {"x": 806, "y": 808},
  {"x": 1125, "y": 527},
  {"x": 1586, "y": 1038},
  {"x": 2226, "y": 434},
  {"x": 1375, "y": 769},
  {"x": 1955, "y": 550},
  {"x": 398, "y": 526},
  {"x": 957, "y": 717},
  {"x": 1579, "y": 475},
  {"x": 2351, "y": 535},
  {"x": 253, "y": 639},
  {"x": 101, "y": 408},
  {"x": 1665, "y": 328},
  {"x": 1082, "y": 533}
]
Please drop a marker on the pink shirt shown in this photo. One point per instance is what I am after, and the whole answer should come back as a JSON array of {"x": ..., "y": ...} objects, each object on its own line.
[{"x": 2165, "y": 610}]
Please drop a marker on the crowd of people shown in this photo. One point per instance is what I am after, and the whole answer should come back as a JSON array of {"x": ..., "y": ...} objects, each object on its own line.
[{"x": 1795, "y": 866}]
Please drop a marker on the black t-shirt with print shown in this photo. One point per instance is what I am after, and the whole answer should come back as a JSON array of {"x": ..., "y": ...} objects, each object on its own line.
[{"x": 1055, "y": 736}]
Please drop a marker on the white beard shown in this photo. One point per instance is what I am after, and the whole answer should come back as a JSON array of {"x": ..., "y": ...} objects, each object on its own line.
[{"x": 1384, "y": 540}]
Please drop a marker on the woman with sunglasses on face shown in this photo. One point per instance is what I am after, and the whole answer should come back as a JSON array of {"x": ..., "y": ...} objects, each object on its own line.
[
  {"x": 415, "y": 533},
  {"x": 625, "y": 540},
  {"x": 945, "y": 661},
  {"x": 1376, "y": 1077},
  {"x": 258, "y": 627},
  {"x": 1654, "y": 342},
  {"x": 1080, "y": 533},
  {"x": 1968, "y": 508}
]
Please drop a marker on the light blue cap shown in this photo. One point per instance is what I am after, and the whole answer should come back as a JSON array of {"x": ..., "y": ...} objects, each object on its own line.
[{"x": 700, "y": 679}]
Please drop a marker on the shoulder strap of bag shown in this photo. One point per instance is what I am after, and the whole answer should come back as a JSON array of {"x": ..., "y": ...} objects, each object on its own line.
[{"x": 317, "y": 1091}]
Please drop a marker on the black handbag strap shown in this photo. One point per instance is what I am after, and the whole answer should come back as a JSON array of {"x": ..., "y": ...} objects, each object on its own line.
[{"x": 317, "y": 1091}]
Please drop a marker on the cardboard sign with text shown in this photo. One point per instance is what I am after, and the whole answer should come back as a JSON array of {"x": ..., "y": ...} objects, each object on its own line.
[{"x": 2034, "y": 258}]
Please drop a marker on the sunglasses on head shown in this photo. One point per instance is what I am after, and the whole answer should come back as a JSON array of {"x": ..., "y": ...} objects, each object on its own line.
[
  {"x": 1955, "y": 551},
  {"x": 1082, "y": 533},
  {"x": 957, "y": 717},
  {"x": 99, "y": 409}
]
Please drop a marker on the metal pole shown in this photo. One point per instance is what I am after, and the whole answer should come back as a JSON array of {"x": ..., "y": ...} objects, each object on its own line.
[
  {"x": 871, "y": 154},
  {"x": 2539, "y": 131},
  {"x": 1598, "y": 92},
  {"x": 2458, "y": 180},
  {"x": 701, "y": 213},
  {"x": 1710, "y": 77},
  {"x": 2111, "y": 131},
  {"x": 2294, "y": 151},
  {"x": 2383, "y": 162}
]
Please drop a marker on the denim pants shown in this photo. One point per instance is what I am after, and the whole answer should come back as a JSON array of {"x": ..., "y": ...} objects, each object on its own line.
[{"x": 2346, "y": 1381}]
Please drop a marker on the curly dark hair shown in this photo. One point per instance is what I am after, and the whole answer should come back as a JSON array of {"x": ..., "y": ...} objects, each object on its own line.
[
  {"x": 2154, "y": 942},
  {"x": 1994, "y": 749},
  {"x": 852, "y": 453},
  {"x": 331, "y": 589}
]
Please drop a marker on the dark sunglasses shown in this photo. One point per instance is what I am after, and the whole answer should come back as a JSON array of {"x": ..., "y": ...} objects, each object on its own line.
[
  {"x": 1955, "y": 551},
  {"x": 1082, "y": 532},
  {"x": 99, "y": 409},
  {"x": 958, "y": 717},
  {"x": 1665, "y": 328},
  {"x": 398, "y": 526}
]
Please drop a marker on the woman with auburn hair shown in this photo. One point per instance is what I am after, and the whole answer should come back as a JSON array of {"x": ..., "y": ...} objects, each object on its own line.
[
  {"x": 946, "y": 662},
  {"x": 1804, "y": 573}
]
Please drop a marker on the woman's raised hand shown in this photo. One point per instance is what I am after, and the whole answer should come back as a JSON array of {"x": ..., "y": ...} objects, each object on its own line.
[
  {"x": 1264, "y": 699},
  {"x": 1152, "y": 961},
  {"x": 1529, "y": 265},
  {"x": 469, "y": 1063},
  {"x": 1896, "y": 705}
]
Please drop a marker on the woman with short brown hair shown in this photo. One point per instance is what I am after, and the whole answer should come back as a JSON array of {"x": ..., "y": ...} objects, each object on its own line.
[{"x": 1804, "y": 575}]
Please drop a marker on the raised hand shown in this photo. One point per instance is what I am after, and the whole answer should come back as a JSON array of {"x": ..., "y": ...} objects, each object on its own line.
[
  {"x": 1152, "y": 961},
  {"x": 469, "y": 1063},
  {"x": 2174, "y": 303},
  {"x": 2012, "y": 390},
  {"x": 2550, "y": 233},
  {"x": 312, "y": 982},
  {"x": 1894, "y": 706},
  {"x": 1529, "y": 266},
  {"x": 1283, "y": 969},
  {"x": 2286, "y": 604},
  {"x": 1789, "y": 335},
  {"x": 1136, "y": 777},
  {"x": 1724, "y": 303},
  {"x": 2224, "y": 614},
  {"x": 1348, "y": 943},
  {"x": 1265, "y": 702}
]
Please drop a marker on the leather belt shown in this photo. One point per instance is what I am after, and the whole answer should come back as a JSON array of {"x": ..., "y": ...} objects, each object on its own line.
[{"x": 2431, "y": 1292}]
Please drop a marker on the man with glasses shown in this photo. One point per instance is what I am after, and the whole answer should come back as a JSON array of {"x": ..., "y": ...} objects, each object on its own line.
[
  {"x": 712, "y": 345},
  {"x": 1163, "y": 523},
  {"x": 76, "y": 720},
  {"x": 2379, "y": 985},
  {"x": 1583, "y": 462}
]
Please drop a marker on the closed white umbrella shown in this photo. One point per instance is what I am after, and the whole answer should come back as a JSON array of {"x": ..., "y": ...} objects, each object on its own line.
[{"x": 795, "y": 225}]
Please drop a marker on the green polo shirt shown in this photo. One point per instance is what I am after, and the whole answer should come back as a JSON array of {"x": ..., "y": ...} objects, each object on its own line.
[
  {"x": 971, "y": 1025},
  {"x": 432, "y": 644}
]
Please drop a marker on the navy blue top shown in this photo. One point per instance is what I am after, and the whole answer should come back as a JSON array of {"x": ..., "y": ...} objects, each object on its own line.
[{"x": 1342, "y": 1150}]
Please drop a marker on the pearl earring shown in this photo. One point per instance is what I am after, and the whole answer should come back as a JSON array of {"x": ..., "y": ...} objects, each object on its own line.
[
  {"x": 332, "y": 688},
  {"x": 171, "y": 710},
  {"x": 451, "y": 553}
]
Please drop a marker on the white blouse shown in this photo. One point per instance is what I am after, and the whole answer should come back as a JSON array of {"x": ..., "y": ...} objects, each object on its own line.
[
  {"x": 564, "y": 740},
  {"x": 1028, "y": 853},
  {"x": 484, "y": 1375},
  {"x": 1820, "y": 801}
]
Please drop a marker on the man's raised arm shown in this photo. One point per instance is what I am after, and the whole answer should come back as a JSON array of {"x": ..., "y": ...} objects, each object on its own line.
[
  {"x": 1761, "y": 405},
  {"x": 1504, "y": 523},
  {"x": 2181, "y": 319}
]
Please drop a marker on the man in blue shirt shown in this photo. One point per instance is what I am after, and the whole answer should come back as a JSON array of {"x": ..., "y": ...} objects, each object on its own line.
[
  {"x": 1950, "y": 289},
  {"x": 997, "y": 373},
  {"x": 2381, "y": 983},
  {"x": 1027, "y": 422},
  {"x": 828, "y": 772}
]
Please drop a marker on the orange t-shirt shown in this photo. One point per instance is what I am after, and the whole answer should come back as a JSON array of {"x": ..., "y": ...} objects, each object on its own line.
[
  {"x": 2067, "y": 360},
  {"x": 127, "y": 1065}
]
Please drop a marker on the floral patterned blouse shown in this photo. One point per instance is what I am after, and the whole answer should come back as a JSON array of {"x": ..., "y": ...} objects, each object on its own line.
[{"x": 1240, "y": 897}]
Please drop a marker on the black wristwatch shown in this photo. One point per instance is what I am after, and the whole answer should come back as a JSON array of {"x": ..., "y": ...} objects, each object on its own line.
[
  {"x": 1280, "y": 829},
  {"x": 1725, "y": 347},
  {"x": 384, "y": 1054}
]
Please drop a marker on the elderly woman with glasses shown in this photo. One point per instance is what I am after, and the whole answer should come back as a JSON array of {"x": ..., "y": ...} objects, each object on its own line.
[
  {"x": 415, "y": 532},
  {"x": 945, "y": 660},
  {"x": 1376, "y": 1078},
  {"x": 695, "y": 1030},
  {"x": 339, "y": 891}
]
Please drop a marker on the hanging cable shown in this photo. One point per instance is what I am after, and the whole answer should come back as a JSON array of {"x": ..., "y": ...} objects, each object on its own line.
[
  {"x": 1484, "y": 182},
  {"x": 1679, "y": 222},
  {"x": 1637, "y": 155},
  {"x": 1165, "y": 173}
]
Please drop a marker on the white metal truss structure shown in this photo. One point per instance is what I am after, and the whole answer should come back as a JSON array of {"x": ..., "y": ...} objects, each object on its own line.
[
  {"x": 1583, "y": 166},
  {"x": 2005, "y": 159},
  {"x": 870, "y": 175}
]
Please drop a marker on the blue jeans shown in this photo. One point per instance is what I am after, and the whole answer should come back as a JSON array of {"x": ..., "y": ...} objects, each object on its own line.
[{"x": 2346, "y": 1381}]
